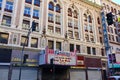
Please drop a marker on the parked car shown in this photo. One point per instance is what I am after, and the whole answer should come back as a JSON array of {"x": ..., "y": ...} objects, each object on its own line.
[{"x": 114, "y": 78}]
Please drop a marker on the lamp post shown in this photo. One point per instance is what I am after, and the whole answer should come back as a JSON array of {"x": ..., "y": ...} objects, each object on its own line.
[{"x": 32, "y": 28}]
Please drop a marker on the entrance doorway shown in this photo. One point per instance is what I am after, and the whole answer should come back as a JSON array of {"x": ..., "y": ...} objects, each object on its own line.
[{"x": 59, "y": 73}]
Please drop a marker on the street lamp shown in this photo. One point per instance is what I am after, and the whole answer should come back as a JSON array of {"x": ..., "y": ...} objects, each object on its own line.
[{"x": 32, "y": 28}]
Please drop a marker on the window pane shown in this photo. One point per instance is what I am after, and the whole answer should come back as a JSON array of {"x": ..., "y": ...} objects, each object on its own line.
[
  {"x": 78, "y": 48},
  {"x": 27, "y": 11},
  {"x": 9, "y": 6},
  {"x": 88, "y": 50},
  {"x": 0, "y": 4},
  {"x": 6, "y": 20},
  {"x": 94, "y": 51},
  {"x": 50, "y": 17},
  {"x": 51, "y": 6},
  {"x": 36, "y": 13},
  {"x": 71, "y": 47},
  {"x": 37, "y": 2},
  {"x": 24, "y": 41},
  {"x": 58, "y": 45},
  {"x": 4, "y": 38},
  {"x": 26, "y": 24},
  {"x": 50, "y": 44},
  {"x": 28, "y": 1},
  {"x": 34, "y": 42}
]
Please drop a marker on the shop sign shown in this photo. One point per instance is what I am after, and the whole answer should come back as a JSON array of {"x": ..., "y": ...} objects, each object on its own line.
[
  {"x": 114, "y": 65},
  {"x": 106, "y": 41},
  {"x": 32, "y": 59},
  {"x": 80, "y": 62},
  {"x": 60, "y": 57},
  {"x": 93, "y": 62}
]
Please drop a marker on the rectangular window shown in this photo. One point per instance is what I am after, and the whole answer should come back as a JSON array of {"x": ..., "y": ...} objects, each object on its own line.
[
  {"x": 71, "y": 47},
  {"x": 115, "y": 31},
  {"x": 6, "y": 20},
  {"x": 57, "y": 19},
  {"x": 50, "y": 44},
  {"x": 78, "y": 48},
  {"x": 36, "y": 14},
  {"x": 28, "y": 1},
  {"x": 9, "y": 6},
  {"x": 37, "y": 2},
  {"x": 94, "y": 51},
  {"x": 90, "y": 29},
  {"x": 70, "y": 23},
  {"x": 58, "y": 46},
  {"x": 76, "y": 35},
  {"x": 26, "y": 24},
  {"x": 86, "y": 28},
  {"x": 70, "y": 34},
  {"x": 88, "y": 50},
  {"x": 34, "y": 42},
  {"x": 58, "y": 30},
  {"x": 0, "y": 4},
  {"x": 102, "y": 52},
  {"x": 27, "y": 11},
  {"x": 50, "y": 29},
  {"x": 117, "y": 39},
  {"x": 4, "y": 38},
  {"x": 50, "y": 17},
  {"x": 24, "y": 41},
  {"x": 76, "y": 24},
  {"x": 101, "y": 40}
]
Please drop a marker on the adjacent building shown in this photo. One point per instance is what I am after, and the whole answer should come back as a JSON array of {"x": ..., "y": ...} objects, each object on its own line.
[
  {"x": 113, "y": 36},
  {"x": 68, "y": 31}
]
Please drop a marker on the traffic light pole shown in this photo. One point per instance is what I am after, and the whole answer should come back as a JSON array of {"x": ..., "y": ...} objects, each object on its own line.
[
  {"x": 33, "y": 27},
  {"x": 21, "y": 62}
]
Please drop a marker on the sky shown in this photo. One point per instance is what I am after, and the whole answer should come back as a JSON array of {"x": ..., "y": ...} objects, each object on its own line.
[{"x": 116, "y": 1}]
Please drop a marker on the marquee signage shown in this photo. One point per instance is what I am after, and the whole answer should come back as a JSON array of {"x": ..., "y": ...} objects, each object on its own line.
[
  {"x": 106, "y": 41},
  {"x": 60, "y": 57}
]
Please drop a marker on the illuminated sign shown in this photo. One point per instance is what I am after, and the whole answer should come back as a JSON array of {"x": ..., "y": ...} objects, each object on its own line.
[
  {"x": 60, "y": 57},
  {"x": 106, "y": 42}
]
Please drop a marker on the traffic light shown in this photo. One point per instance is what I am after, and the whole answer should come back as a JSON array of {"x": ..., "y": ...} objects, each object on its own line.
[
  {"x": 33, "y": 26},
  {"x": 109, "y": 18},
  {"x": 25, "y": 58}
]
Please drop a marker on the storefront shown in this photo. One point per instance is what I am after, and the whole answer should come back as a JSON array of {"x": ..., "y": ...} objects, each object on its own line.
[
  {"x": 4, "y": 72},
  {"x": 56, "y": 64},
  {"x": 5, "y": 58},
  {"x": 78, "y": 72},
  {"x": 29, "y": 71},
  {"x": 94, "y": 68}
]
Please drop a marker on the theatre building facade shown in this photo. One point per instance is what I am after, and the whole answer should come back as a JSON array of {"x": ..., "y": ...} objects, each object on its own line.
[{"x": 67, "y": 43}]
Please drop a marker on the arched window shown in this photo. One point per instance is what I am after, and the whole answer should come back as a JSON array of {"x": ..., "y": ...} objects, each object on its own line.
[
  {"x": 85, "y": 17},
  {"x": 98, "y": 20},
  {"x": 89, "y": 19},
  {"x": 111, "y": 9},
  {"x": 75, "y": 14},
  {"x": 115, "y": 11},
  {"x": 51, "y": 6},
  {"x": 58, "y": 8},
  {"x": 69, "y": 12},
  {"x": 87, "y": 37}
]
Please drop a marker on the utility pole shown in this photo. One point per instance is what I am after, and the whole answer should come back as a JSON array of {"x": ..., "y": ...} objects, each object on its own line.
[{"x": 33, "y": 27}]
